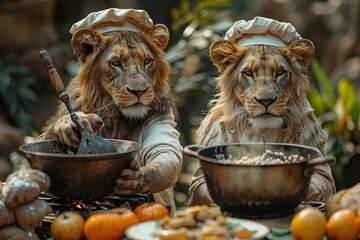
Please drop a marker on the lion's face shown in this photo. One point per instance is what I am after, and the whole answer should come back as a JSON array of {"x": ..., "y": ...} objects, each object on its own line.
[
  {"x": 264, "y": 87},
  {"x": 130, "y": 82},
  {"x": 263, "y": 81},
  {"x": 128, "y": 69}
]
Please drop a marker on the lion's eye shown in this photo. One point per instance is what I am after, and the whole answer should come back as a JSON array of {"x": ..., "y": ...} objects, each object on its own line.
[
  {"x": 248, "y": 72},
  {"x": 115, "y": 62},
  {"x": 147, "y": 61},
  {"x": 280, "y": 72}
]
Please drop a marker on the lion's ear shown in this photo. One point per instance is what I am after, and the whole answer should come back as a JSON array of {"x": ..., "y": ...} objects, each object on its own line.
[
  {"x": 159, "y": 34},
  {"x": 85, "y": 42},
  {"x": 223, "y": 53},
  {"x": 303, "y": 50}
]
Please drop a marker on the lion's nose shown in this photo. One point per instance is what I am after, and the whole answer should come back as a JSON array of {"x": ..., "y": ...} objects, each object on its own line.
[
  {"x": 266, "y": 102},
  {"x": 136, "y": 92}
]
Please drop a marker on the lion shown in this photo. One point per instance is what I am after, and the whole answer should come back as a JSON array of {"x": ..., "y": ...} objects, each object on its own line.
[
  {"x": 261, "y": 94},
  {"x": 122, "y": 91}
]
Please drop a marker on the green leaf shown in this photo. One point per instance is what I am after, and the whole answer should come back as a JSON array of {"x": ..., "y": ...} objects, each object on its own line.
[
  {"x": 347, "y": 93},
  {"x": 185, "y": 6},
  {"x": 175, "y": 14},
  {"x": 325, "y": 87},
  {"x": 217, "y": 4},
  {"x": 27, "y": 94},
  {"x": 317, "y": 101}
]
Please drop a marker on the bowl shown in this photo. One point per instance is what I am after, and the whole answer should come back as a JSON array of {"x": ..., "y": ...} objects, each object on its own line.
[
  {"x": 257, "y": 191},
  {"x": 79, "y": 176}
]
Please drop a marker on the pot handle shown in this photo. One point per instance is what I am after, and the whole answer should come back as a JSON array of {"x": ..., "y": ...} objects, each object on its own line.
[
  {"x": 322, "y": 160},
  {"x": 191, "y": 150},
  {"x": 29, "y": 156}
]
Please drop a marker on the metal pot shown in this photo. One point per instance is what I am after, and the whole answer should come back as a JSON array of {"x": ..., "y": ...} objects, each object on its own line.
[
  {"x": 80, "y": 176},
  {"x": 257, "y": 191}
]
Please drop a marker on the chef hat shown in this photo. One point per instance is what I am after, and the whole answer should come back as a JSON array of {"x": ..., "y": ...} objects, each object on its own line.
[
  {"x": 262, "y": 31},
  {"x": 114, "y": 19}
]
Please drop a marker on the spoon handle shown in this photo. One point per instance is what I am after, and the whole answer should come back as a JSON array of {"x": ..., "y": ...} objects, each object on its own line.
[
  {"x": 53, "y": 74},
  {"x": 59, "y": 86}
]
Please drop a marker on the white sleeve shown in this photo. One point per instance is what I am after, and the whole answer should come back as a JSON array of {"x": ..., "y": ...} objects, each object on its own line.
[{"x": 161, "y": 137}]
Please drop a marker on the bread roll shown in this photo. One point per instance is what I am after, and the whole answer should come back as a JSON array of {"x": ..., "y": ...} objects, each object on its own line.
[
  {"x": 7, "y": 215},
  {"x": 35, "y": 175},
  {"x": 347, "y": 198},
  {"x": 16, "y": 233},
  {"x": 19, "y": 191},
  {"x": 30, "y": 215}
]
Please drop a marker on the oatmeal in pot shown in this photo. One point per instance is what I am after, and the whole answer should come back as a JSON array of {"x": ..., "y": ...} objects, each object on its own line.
[{"x": 267, "y": 158}]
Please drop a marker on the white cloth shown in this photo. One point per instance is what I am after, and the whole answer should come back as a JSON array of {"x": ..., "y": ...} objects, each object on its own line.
[
  {"x": 262, "y": 31},
  {"x": 114, "y": 19},
  {"x": 160, "y": 141}
]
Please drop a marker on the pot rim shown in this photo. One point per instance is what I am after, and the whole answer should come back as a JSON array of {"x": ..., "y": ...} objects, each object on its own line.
[
  {"x": 136, "y": 147},
  {"x": 200, "y": 148}
]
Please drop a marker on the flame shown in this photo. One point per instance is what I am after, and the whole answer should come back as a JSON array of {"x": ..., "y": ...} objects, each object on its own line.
[{"x": 80, "y": 205}]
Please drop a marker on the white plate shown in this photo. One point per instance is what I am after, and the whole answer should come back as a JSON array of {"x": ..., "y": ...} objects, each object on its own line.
[{"x": 145, "y": 230}]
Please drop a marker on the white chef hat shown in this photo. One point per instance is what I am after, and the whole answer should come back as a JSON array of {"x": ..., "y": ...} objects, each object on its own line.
[
  {"x": 114, "y": 19},
  {"x": 262, "y": 31}
]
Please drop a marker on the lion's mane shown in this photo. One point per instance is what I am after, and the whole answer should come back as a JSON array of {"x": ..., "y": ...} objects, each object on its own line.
[
  {"x": 260, "y": 64},
  {"x": 86, "y": 90}
]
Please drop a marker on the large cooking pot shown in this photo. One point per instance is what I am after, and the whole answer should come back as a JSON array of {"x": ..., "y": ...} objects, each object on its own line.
[
  {"x": 79, "y": 176},
  {"x": 257, "y": 191}
]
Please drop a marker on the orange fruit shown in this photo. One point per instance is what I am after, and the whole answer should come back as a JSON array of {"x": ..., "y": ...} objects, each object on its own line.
[
  {"x": 342, "y": 225},
  {"x": 308, "y": 224}
]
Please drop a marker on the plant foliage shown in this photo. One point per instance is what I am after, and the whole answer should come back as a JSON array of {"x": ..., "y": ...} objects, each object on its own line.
[
  {"x": 17, "y": 95},
  {"x": 338, "y": 109}
]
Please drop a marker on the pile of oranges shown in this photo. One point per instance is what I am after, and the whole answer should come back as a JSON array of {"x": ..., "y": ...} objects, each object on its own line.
[
  {"x": 311, "y": 224},
  {"x": 104, "y": 225}
]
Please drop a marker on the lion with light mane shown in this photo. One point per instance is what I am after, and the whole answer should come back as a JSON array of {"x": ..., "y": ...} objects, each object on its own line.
[
  {"x": 261, "y": 94},
  {"x": 122, "y": 91},
  {"x": 263, "y": 88}
]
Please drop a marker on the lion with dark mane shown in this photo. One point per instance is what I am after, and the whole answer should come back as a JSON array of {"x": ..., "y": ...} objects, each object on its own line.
[
  {"x": 123, "y": 78},
  {"x": 122, "y": 91},
  {"x": 261, "y": 95}
]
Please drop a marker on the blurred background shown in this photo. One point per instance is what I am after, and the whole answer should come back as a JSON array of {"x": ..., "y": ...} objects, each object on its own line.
[{"x": 27, "y": 98}]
